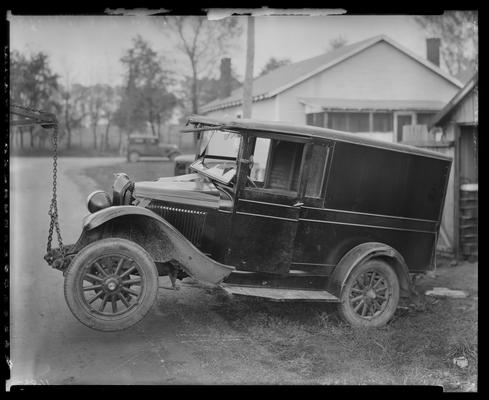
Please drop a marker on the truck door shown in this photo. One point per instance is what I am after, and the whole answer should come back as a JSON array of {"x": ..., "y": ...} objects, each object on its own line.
[
  {"x": 312, "y": 241},
  {"x": 267, "y": 207}
]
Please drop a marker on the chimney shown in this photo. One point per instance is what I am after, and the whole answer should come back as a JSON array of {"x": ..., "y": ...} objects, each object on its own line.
[
  {"x": 433, "y": 50},
  {"x": 225, "y": 80}
]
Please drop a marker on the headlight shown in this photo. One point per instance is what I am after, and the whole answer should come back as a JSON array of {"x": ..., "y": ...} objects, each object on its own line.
[
  {"x": 98, "y": 200},
  {"x": 122, "y": 189}
]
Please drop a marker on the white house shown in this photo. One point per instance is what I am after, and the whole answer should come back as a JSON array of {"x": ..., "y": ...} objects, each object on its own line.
[{"x": 373, "y": 87}]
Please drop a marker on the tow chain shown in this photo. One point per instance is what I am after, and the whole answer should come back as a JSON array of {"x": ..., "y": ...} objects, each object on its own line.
[{"x": 53, "y": 208}]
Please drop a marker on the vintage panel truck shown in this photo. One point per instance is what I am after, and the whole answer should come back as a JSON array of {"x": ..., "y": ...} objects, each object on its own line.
[{"x": 273, "y": 210}]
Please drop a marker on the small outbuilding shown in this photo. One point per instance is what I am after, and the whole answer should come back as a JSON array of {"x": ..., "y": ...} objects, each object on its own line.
[{"x": 458, "y": 124}]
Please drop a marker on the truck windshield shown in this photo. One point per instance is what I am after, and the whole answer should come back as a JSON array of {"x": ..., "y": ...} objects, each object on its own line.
[{"x": 217, "y": 155}]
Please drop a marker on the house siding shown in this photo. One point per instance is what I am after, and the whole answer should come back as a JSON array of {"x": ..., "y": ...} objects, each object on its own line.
[
  {"x": 466, "y": 112},
  {"x": 378, "y": 73},
  {"x": 262, "y": 110}
]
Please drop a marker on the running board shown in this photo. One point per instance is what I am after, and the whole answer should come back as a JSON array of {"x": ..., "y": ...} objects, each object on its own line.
[{"x": 280, "y": 294}]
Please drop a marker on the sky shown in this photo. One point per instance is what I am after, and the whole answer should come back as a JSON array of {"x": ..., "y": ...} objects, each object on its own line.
[{"x": 87, "y": 49}]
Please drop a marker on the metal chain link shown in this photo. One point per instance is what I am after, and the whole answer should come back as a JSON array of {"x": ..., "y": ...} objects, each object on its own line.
[{"x": 53, "y": 208}]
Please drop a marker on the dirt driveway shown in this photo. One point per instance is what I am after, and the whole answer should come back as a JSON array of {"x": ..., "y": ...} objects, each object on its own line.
[{"x": 197, "y": 335}]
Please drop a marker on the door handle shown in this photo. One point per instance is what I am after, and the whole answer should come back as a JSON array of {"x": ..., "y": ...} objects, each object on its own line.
[{"x": 298, "y": 204}]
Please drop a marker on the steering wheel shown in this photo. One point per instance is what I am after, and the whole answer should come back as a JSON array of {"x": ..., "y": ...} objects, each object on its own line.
[{"x": 248, "y": 179}]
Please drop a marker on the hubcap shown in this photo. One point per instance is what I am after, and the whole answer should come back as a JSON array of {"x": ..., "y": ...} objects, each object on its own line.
[{"x": 112, "y": 284}]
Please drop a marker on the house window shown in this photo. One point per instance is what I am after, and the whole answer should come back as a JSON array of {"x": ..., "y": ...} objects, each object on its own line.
[
  {"x": 424, "y": 118},
  {"x": 315, "y": 119},
  {"x": 358, "y": 122},
  {"x": 349, "y": 122},
  {"x": 383, "y": 122},
  {"x": 337, "y": 121}
]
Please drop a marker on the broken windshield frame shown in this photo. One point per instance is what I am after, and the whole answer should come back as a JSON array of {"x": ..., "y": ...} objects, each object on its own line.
[{"x": 218, "y": 152}]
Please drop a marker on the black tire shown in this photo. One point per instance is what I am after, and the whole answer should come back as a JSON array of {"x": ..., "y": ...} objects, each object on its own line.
[
  {"x": 370, "y": 295},
  {"x": 133, "y": 156},
  {"x": 134, "y": 292}
]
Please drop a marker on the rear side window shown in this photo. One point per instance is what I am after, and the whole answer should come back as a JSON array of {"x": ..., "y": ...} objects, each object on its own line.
[{"x": 317, "y": 170}]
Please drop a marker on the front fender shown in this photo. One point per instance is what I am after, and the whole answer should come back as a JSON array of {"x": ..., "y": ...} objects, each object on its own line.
[
  {"x": 362, "y": 253},
  {"x": 162, "y": 241}
]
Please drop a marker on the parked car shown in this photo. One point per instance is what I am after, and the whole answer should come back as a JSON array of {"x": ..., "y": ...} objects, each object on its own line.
[
  {"x": 271, "y": 210},
  {"x": 183, "y": 163},
  {"x": 149, "y": 146}
]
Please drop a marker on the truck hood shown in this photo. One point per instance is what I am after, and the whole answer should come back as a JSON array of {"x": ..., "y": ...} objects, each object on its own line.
[{"x": 190, "y": 189}]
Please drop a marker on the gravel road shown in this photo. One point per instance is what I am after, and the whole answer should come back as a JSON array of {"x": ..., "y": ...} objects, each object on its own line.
[{"x": 181, "y": 341}]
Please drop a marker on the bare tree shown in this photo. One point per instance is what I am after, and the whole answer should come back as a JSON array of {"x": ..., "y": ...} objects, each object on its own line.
[
  {"x": 459, "y": 35},
  {"x": 147, "y": 98},
  {"x": 95, "y": 101},
  {"x": 202, "y": 42},
  {"x": 34, "y": 85},
  {"x": 111, "y": 99},
  {"x": 74, "y": 108}
]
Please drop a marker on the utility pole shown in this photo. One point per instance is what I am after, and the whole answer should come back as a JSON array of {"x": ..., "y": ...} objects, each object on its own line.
[{"x": 248, "y": 81}]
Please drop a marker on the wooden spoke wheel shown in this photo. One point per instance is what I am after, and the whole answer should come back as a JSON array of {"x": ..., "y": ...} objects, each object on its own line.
[
  {"x": 370, "y": 295},
  {"x": 111, "y": 284}
]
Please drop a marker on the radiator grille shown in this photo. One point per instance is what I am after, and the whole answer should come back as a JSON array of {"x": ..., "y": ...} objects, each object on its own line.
[{"x": 189, "y": 222}]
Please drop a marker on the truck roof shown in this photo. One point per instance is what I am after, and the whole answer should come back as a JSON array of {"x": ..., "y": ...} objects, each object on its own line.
[{"x": 311, "y": 131}]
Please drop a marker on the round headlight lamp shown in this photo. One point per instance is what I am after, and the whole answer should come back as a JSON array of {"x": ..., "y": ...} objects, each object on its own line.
[{"x": 98, "y": 200}]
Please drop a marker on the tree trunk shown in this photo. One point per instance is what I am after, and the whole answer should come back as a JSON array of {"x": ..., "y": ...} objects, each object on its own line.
[
  {"x": 107, "y": 128},
  {"x": 31, "y": 132},
  {"x": 21, "y": 132},
  {"x": 94, "y": 131},
  {"x": 68, "y": 131},
  {"x": 121, "y": 133},
  {"x": 248, "y": 82}
]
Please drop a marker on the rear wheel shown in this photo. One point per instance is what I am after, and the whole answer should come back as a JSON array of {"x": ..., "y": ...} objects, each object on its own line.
[
  {"x": 133, "y": 156},
  {"x": 370, "y": 295},
  {"x": 111, "y": 284}
]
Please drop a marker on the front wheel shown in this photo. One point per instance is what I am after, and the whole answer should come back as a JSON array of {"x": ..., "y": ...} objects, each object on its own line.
[
  {"x": 111, "y": 284},
  {"x": 370, "y": 295}
]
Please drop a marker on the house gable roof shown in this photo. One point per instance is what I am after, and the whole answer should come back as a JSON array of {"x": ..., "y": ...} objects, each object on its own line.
[
  {"x": 455, "y": 101},
  {"x": 285, "y": 77}
]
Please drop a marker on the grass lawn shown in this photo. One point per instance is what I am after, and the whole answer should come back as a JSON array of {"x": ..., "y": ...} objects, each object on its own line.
[{"x": 416, "y": 348}]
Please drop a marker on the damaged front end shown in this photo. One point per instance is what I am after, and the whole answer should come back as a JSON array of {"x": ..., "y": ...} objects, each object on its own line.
[
  {"x": 122, "y": 194},
  {"x": 60, "y": 259}
]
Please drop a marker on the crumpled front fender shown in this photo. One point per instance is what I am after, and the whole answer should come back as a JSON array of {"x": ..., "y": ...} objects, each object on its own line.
[{"x": 162, "y": 241}]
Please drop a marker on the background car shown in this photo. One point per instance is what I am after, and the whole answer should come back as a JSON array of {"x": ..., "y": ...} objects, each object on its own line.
[
  {"x": 182, "y": 164},
  {"x": 149, "y": 146}
]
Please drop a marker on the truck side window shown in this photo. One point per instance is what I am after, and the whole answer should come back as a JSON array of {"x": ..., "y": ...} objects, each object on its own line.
[
  {"x": 260, "y": 159},
  {"x": 277, "y": 164},
  {"x": 317, "y": 170},
  {"x": 285, "y": 164}
]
